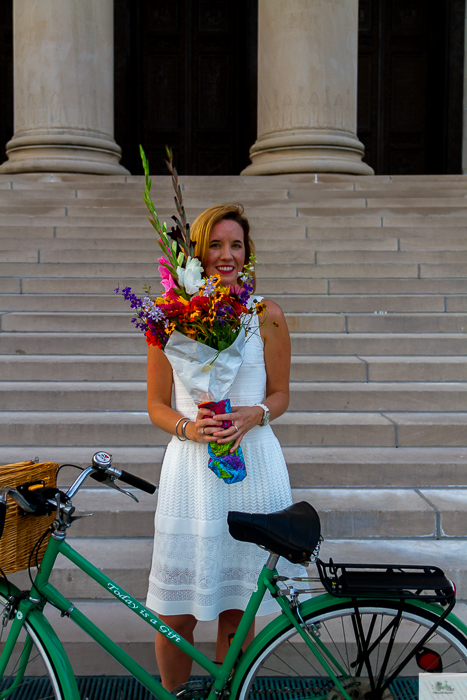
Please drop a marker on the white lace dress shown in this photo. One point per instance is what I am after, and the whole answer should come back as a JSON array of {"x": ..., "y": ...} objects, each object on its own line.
[{"x": 197, "y": 567}]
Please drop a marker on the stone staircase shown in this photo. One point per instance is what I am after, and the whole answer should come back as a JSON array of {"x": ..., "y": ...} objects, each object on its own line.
[{"x": 372, "y": 275}]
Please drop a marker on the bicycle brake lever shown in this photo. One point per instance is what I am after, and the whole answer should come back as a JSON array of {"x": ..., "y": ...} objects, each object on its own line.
[
  {"x": 109, "y": 481},
  {"x": 79, "y": 517},
  {"x": 20, "y": 500}
]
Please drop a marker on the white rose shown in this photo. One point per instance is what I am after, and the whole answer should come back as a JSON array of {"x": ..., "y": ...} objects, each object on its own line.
[{"x": 190, "y": 276}]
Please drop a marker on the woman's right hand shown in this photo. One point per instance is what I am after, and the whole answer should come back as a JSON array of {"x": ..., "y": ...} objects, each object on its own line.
[{"x": 202, "y": 429}]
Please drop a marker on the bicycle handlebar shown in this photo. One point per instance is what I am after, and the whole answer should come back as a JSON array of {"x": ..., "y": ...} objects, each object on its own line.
[{"x": 137, "y": 482}]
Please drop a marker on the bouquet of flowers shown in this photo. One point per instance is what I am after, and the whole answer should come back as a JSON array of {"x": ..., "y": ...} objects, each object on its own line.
[{"x": 200, "y": 324}]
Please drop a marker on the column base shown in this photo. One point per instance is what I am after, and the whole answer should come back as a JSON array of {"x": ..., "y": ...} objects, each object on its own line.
[
  {"x": 63, "y": 152},
  {"x": 308, "y": 151}
]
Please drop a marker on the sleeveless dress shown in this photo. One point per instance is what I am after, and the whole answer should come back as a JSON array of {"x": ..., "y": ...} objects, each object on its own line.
[{"x": 197, "y": 567}]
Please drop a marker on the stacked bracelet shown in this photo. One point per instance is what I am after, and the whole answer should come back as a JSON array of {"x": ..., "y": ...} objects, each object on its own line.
[
  {"x": 184, "y": 424},
  {"x": 176, "y": 431}
]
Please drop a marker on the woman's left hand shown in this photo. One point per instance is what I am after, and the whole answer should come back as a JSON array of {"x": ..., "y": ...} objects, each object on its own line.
[{"x": 243, "y": 418}]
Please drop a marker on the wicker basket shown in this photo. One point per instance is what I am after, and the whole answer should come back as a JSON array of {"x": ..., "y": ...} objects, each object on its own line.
[{"x": 22, "y": 531}]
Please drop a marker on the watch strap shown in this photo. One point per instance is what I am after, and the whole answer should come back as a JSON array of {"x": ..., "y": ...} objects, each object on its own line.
[{"x": 266, "y": 414}]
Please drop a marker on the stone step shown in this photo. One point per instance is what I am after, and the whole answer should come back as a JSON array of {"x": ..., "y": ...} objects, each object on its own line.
[
  {"x": 352, "y": 257},
  {"x": 301, "y": 303},
  {"x": 304, "y": 396},
  {"x": 250, "y": 197},
  {"x": 133, "y": 195},
  {"x": 75, "y": 322},
  {"x": 36, "y": 427},
  {"x": 400, "y": 286},
  {"x": 128, "y": 561},
  {"x": 133, "y": 368},
  {"x": 127, "y": 226},
  {"x": 426, "y": 243},
  {"x": 265, "y": 287},
  {"x": 378, "y": 322},
  {"x": 136, "y": 209},
  {"x": 383, "y": 322},
  {"x": 64, "y": 228},
  {"x": 280, "y": 229},
  {"x": 420, "y": 192},
  {"x": 374, "y": 200},
  {"x": 10, "y": 286},
  {"x": 58, "y": 285},
  {"x": 330, "y": 344},
  {"x": 416, "y": 369},
  {"x": 310, "y": 256},
  {"x": 264, "y": 246},
  {"x": 116, "y": 271},
  {"x": 153, "y": 254},
  {"x": 315, "y": 218},
  {"x": 381, "y": 240},
  {"x": 379, "y": 344},
  {"x": 304, "y": 368},
  {"x": 343, "y": 513},
  {"x": 401, "y": 210},
  {"x": 309, "y": 467}
]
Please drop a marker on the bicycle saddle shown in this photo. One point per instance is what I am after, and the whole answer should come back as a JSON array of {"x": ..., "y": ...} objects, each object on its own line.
[{"x": 293, "y": 532}]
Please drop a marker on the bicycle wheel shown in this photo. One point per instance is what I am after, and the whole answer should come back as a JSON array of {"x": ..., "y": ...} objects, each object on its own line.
[
  {"x": 40, "y": 679},
  {"x": 287, "y": 669}
]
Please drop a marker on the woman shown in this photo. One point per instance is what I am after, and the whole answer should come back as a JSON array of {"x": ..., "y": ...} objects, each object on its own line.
[{"x": 199, "y": 572}]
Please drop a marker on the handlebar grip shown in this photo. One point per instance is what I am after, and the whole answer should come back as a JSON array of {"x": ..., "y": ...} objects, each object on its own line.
[{"x": 138, "y": 483}]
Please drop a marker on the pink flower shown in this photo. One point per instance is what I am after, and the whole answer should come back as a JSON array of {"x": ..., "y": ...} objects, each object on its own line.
[{"x": 167, "y": 280}]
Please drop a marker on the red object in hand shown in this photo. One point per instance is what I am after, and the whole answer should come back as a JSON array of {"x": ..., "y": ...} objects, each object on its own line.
[{"x": 218, "y": 407}]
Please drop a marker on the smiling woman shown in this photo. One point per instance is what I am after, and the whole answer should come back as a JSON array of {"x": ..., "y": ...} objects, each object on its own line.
[
  {"x": 222, "y": 241},
  {"x": 198, "y": 571}
]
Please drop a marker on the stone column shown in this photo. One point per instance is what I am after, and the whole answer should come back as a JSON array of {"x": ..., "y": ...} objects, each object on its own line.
[
  {"x": 63, "y": 88},
  {"x": 464, "y": 111},
  {"x": 307, "y": 89}
]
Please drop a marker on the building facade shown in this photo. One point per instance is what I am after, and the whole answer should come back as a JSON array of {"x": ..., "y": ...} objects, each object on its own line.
[{"x": 254, "y": 86}]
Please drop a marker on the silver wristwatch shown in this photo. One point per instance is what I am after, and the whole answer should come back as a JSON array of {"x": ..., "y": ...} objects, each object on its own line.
[{"x": 266, "y": 414}]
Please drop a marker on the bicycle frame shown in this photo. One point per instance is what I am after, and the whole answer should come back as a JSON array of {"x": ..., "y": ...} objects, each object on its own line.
[{"x": 43, "y": 592}]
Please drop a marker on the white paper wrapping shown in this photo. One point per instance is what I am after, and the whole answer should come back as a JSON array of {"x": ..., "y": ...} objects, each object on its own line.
[{"x": 188, "y": 357}]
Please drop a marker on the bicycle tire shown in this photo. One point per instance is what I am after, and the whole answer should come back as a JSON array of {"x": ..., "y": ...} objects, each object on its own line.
[
  {"x": 40, "y": 680},
  {"x": 287, "y": 657}
]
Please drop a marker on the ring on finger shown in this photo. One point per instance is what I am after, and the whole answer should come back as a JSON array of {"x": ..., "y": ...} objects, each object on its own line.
[
  {"x": 202, "y": 432},
  {"x": 236, "y": 427}
]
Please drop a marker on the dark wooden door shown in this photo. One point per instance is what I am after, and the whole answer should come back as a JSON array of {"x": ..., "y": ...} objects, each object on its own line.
[
  {"x": 186, "y": 76},
  {"x": 6, "y": 75},
  {"x": 410, "y": 85}
]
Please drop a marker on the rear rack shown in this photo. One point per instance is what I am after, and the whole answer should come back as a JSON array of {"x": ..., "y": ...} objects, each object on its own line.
[{"x": 389, "y": 580}]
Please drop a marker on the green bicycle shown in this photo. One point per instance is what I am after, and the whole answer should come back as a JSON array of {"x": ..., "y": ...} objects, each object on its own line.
[{"x": 367, "y": 636}]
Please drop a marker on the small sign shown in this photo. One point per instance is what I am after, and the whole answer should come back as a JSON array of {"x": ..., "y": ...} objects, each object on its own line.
[{"x": 442, "y": 686}]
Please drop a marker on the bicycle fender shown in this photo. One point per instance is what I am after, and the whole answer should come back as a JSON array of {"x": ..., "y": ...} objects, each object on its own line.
[
  {"x": 58, "y": 657},
  {"x": 270, "y": 632},
  {"x": 438, "y": 610}
]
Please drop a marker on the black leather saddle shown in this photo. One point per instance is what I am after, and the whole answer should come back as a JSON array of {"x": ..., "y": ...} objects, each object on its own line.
[{"x": 293, "y": 532}]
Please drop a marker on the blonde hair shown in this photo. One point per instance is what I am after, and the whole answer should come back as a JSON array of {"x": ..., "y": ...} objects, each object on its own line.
[{"x": 202, "y": 226}]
